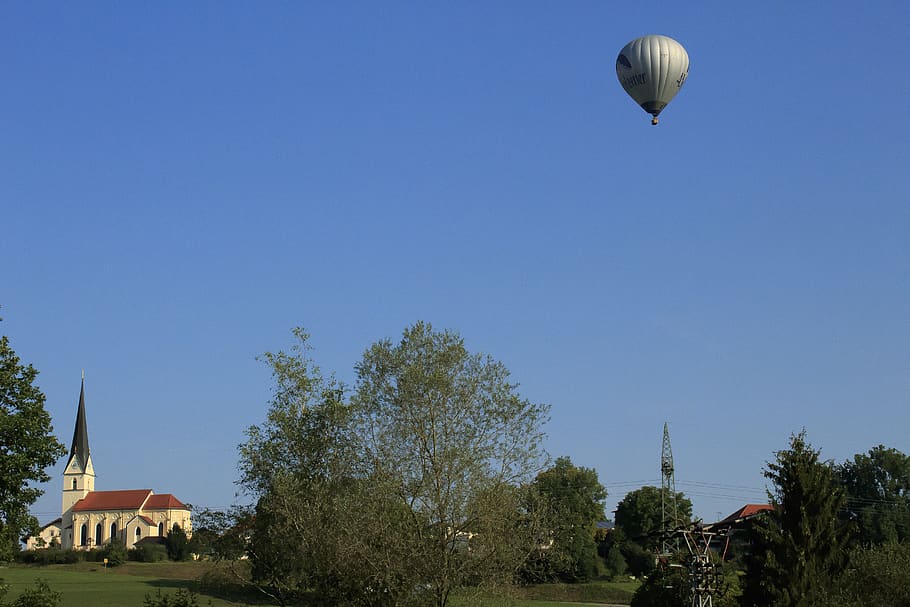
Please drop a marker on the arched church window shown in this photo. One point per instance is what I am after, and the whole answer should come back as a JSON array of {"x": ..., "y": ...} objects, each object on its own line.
[
  {"x": 160, "y": 529},
  {"x": 98, "y": 534},
  {"x": 113, "y": 530},
  {"x": 138, "y": 533},
  {"x": 83, "y": 535}
]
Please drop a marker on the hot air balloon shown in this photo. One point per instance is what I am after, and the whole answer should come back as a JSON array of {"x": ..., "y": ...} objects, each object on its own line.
[{"x": 652, "y": 69}]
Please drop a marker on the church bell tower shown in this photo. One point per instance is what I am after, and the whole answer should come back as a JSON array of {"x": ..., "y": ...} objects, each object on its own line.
[{"x": 79, "y": 475}]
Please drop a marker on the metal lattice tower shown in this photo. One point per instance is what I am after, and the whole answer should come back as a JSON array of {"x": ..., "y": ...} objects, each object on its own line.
[
  {"x": 704, "y": 575},
  {"x": 668, "y": 514}
]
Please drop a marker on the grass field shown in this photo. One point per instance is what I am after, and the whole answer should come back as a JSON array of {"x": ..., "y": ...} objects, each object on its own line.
[{"x": 90, "y": 585}]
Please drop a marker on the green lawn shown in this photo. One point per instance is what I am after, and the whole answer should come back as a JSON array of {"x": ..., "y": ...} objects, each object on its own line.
[{"x": 90, "y": 585}]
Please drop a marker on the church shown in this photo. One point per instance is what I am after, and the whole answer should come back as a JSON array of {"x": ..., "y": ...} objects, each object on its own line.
[{"x": 92, "y": 518}]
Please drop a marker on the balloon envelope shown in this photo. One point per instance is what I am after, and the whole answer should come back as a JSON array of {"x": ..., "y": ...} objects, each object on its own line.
[{"x": 652, "y": 69}]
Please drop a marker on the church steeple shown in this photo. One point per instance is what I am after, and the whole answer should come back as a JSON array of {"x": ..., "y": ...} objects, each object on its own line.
[
  {"x": 80, "y": 434},
  {"x": 79, "y": 475}
]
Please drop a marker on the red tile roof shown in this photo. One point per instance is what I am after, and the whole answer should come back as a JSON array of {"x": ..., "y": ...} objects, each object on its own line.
[
  {"x": 147, "y": 520},
  {"x": 746, "y": 512},
  {"x": 130, "y": 499},
  {"x": 164, "y": 501}
]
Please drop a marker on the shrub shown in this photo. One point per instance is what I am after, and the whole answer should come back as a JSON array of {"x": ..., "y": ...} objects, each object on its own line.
[
  {"x": 114, "y": 552},
  {"x": 49, "y": 556},
  {"x": 148, "y": 553},
  {"x": 178, "y": 545},
  {"x": 181, "y": 598},
  {"x": 614, "y": 563},
  {"x": 877, "y": 575},
  {"x": 38, "y": 595}
]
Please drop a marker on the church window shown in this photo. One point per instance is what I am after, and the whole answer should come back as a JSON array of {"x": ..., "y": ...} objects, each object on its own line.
[
  {"x": 83, "y": 535},
  {"x": 98, "y": 534},
  {"x": 160, "y": 529},
  {"x": 113, "y": 530},
  {"x": 138, "y": 533},
  {"x": 74, "y": 484}
]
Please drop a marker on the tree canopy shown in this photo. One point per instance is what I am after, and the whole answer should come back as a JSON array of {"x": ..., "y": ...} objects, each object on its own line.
[
  {"x": 574, "y": 499},
  {"x": 451, "y": 439},
  {"x": 878, "y": 494},
  {"x": 27, "y": 447},
  {"x": 295, "y": 465},
  {"x": 401, "y": 494},
  {"x": 638, "y": 514}
]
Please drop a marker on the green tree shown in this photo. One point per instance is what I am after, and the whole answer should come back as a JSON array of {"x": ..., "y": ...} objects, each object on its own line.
[
  {"x": 877, "y": 575},
  {"x": 878, "y": 494},
  {"x": 638, "y": 514},
  {"x": 609, "y": 548},
  {"x": 177, "y": 544},
  {"x": 798, "y": 546},
  {"x": 448, "y": 439},
  {"x": 221, "y": 534},
  {"x": 665, "y": 587},
  {"x": 298, "y": 466},
  {"x": 408, "y": 491},
  {"x": 575, "y": 499},
  {"x": 639, "y": 518},
  {"x": 27, "y": 447}
]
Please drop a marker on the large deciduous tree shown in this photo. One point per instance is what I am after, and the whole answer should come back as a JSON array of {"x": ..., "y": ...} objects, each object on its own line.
[
  {"x": 878, "y": 494},
  {"x": 877, "y": 575},
  {"x": 639, "y": 526},
  {"x": 408, "y": 491},
  {"x": 297, "y": 465},
  {"x": 575, "y": 499},
  {"x": 450, "y": 439},
  {"x": 798, "y": 546},
  {"x": 27, "y": 447},
  {"x": 638, "y": 514}
]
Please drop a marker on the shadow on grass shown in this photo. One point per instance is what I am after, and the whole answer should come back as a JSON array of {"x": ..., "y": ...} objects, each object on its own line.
[{"x": 231, "y": 592}]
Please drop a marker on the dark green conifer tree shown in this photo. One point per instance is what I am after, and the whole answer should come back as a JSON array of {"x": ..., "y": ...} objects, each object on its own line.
[{"x": 798, "y": 546}]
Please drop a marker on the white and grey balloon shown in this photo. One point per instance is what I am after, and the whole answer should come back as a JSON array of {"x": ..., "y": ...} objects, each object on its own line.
[{"x": 652, "y": 69}]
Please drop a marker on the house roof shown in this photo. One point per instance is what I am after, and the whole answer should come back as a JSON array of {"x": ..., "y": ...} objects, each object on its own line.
[
  {"x": 164, "y": 501},
  {"x": 129, "y": 499},
  {"x": 147, "y": 520},
  {"x": 746, "y": 512},
  {"x": 56, "y": 521}
]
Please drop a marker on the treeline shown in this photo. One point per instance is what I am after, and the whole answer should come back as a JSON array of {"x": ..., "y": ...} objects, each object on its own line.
[
  {"x": 420, "y": 481},
  {"x": 424, "y": 479},
  {"x": 835, "y": 535}
]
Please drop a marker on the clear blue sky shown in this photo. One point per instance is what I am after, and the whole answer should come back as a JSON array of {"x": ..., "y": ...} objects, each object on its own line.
[{"x": 182, "y": 183}]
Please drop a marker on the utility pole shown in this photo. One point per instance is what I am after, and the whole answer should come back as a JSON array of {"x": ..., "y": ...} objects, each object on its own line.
[
  {"x": 669, "y": 516},
  {"x": 704, "y": 574}
]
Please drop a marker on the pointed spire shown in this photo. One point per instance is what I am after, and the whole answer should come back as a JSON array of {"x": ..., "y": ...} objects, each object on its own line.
[{"x": 80, "y": 434}]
